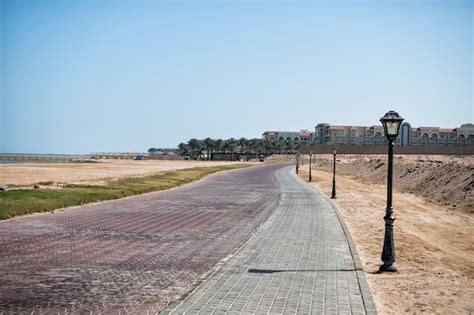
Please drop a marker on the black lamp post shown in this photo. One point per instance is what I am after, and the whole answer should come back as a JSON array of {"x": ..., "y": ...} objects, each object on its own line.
[
  {"x": 391, "y": 124},
  {"x": 297, "y": 162},
  {"x": 333, "y": 194},
  {"x": 310, "y": 156}
]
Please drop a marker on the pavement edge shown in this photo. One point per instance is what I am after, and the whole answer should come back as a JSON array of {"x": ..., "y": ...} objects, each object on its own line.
[{"x": 363, "y": 285}]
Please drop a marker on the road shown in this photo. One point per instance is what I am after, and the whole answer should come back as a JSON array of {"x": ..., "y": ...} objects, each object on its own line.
[{"x": 133, "y": 254}]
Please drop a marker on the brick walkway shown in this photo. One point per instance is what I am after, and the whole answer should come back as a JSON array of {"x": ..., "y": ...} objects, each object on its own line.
[{"x": 298, "y": 262}]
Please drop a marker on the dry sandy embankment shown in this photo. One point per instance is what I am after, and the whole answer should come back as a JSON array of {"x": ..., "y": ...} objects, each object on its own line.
[
  {"x": 98, "y": 173},
  {"x": 434, "y": 240}
]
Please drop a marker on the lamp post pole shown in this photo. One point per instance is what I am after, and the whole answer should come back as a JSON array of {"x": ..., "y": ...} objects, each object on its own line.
[
  {"x": 310, "y": 156},
  {"x": 297, "y": 162},
  {"x": 391, "y": 123},
  {"x": 388, "y": 252},
  {"x": 333, "y": 194}
]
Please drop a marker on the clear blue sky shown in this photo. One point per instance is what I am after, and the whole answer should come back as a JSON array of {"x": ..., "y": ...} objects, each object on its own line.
[{"x": 87, "y": 76}]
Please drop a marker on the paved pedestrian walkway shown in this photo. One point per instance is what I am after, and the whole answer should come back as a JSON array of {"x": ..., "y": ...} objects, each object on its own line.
[
  {"x": 130, "y": 255},
  {"x": 298, "y": 262}
]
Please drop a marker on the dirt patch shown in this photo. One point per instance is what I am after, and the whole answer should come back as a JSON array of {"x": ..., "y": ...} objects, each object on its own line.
[
  {"x": 280, "y": 158},
  {"x": 445, "y": 180},
  {"x": 49, "y": 175},
  {"x": 434, "y": 243}
]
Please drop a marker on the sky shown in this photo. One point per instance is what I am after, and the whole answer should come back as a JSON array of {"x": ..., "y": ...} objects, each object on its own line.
[{"x": 124, "y": 76}]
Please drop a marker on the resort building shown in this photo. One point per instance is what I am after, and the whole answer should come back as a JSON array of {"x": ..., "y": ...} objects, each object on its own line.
[
  {"x": 374, "y": 135},
  {"x": 328, "y": 134},
  {"x": 304, "y": 136}
]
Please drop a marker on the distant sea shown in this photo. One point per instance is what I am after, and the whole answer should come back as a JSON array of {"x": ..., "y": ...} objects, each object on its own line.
[{"x": 18, "y": 158}]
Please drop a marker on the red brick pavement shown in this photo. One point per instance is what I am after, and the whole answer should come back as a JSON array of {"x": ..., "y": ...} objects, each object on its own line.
[{"x": 132, "y": 254}]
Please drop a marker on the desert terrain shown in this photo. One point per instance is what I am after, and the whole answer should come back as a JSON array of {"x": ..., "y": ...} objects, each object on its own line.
[
  {"x": 93, "y": 173},
  {"x": 433, "y": 203},
  {"x": 434, "y": 232}
]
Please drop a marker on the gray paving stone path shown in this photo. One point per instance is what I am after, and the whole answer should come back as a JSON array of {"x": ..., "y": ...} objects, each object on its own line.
[{"x": 298, "y": 262}]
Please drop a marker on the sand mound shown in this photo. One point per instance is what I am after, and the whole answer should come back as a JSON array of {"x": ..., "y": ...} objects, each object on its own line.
[{"x": 445, "y": 180}]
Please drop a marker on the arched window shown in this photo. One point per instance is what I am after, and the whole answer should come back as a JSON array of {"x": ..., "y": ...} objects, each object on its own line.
[
  {"x": 281, "y": 138},
  {"x": 425, "y": 138},
  {"x": 288, "y": 138},
  {"x": 434, "y": 138},
  {"x": 461, "y": 140},
  {"x": 378, "y": 139},
  {"x": 296, "y": 139},
  {"x": 470, "y": 139}
]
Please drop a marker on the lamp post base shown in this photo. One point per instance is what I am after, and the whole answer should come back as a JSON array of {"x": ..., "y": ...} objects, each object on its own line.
[{"x": 388, "y": 268}]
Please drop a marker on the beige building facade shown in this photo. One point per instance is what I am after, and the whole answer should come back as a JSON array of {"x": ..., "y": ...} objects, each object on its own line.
[
  {"x": 328, "y": 134},
  {"x": 302, "y": 136},
  {"x": 374, "y": 135}
]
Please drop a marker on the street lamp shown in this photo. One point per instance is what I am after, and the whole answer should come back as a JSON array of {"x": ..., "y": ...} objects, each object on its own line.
[
  {"x": 391, "y": 124},
  {"x": 333, "y": 194},
  {"x": 297, "y": 162},
  {"x": 310, "y": 156}
]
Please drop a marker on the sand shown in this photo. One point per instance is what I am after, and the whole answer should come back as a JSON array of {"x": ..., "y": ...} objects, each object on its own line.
[
  {"x": 434, "y": 242},
  {"x": 446, "y": 180},
  {"x": 97, "y": 173}
]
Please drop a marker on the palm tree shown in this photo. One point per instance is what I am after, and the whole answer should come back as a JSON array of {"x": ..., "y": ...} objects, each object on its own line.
[
  {"x": 209, "y": 145},
  {"x": 251, "y": 145},
  {"x": 279, "y": 146},
  {"x": 288, "y": 146},
  {"x": 243, "y": 142},
  {"x": 259, "y": 146},
  {"x": 195, "y": 146},
  {"x": 183, "y": 149},
  {"x": 218, "y": 145},
  {"x": 230, "y": 145},
  {"x": 268, "y": 145}
]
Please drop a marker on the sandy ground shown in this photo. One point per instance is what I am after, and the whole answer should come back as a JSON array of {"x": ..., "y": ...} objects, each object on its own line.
[
  {"x": 434, "y": 237},
  {"x": 434, "y": 246},
  {"x": 89, "y": 173},
  {"x": 446, "y": 180}
]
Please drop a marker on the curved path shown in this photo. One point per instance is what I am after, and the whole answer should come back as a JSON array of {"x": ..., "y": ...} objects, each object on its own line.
[
  {"x": 298, "y": 262},
  {"x": 132, "y": 254}
]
